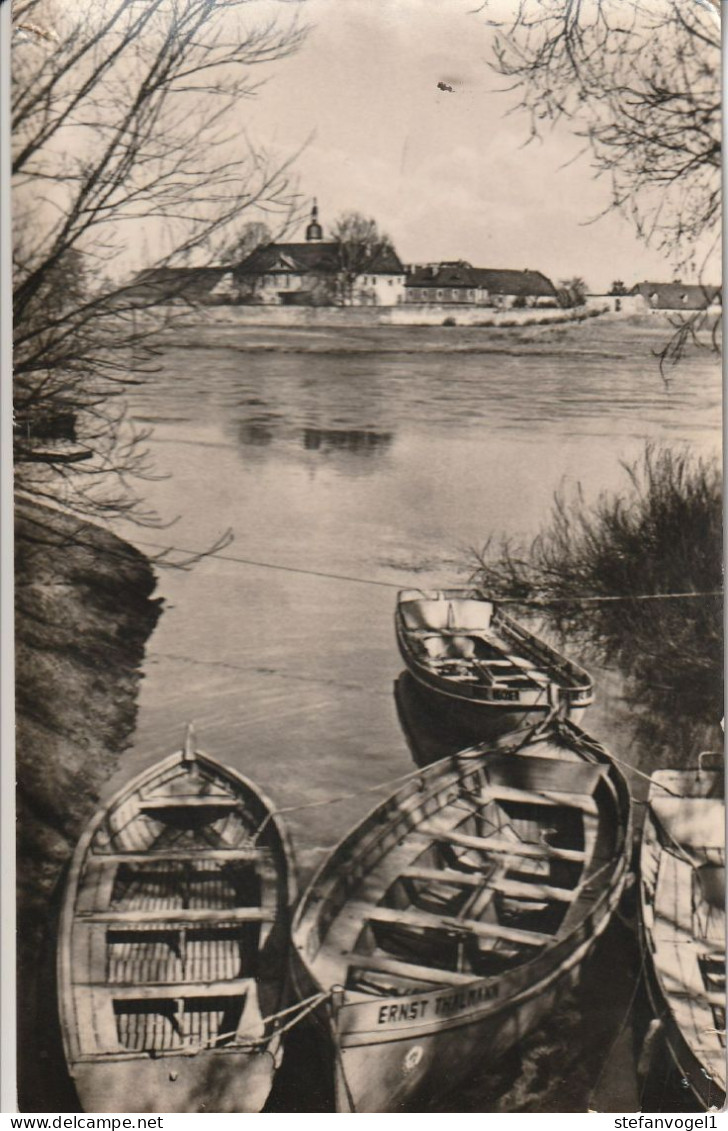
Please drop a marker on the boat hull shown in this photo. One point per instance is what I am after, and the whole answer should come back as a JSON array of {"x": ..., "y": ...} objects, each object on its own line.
[
  {"x": 682, "y": 923},
  {"x": 395, "y": 1050},
  {"x": 477, "y": 719},
  {"x": 467, "y": 689},
  {"x": 406, "y": 1073},
  {"x": 173, "y": 947},
  {"x": 708, "y": 1094}
]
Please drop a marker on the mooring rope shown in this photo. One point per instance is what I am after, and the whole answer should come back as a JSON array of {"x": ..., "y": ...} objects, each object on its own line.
[
  {"x": 523, "y": 738},
  {"x": 526, "y": 602},
  {"x": 301, "y": 1008},
  {"x": 529, "y": 602}
]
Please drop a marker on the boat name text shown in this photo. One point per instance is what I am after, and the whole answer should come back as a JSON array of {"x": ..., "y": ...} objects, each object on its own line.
[{"x": 443, "y": 1006}]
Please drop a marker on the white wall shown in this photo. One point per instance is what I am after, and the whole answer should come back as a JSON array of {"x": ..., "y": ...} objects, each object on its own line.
[
  {"x": 403, "y": 315},
  {"x": 379, "y": 290}
]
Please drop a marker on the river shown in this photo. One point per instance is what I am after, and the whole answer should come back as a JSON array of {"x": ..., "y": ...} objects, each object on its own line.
[{"x": 383, "y": 469}]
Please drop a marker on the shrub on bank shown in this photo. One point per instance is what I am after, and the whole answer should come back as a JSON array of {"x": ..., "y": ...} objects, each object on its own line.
[{"x": 661, "y": 535}]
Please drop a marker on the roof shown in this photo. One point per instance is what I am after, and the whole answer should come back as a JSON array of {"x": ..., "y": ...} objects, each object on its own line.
[
  {"x": 495, "y": 281},
  {"x": 677, "y": 296},
  {"x": 455, "y": 274},
  {"x": 311, "y": 257},
  {"x": 506, "y": 282},
  {"x": 193, "y": 284}
]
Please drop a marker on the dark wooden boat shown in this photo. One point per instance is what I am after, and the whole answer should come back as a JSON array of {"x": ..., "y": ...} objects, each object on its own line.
[
  {"x": 485, "y": 668},
  {"x": 173, "y": 944},
  {"x": 682, "y": 887},
  {"x": 449, "y": 922}
]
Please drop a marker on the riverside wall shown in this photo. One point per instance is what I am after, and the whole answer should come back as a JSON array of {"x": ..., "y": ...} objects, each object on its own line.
[{"x": 330, "y": 317}]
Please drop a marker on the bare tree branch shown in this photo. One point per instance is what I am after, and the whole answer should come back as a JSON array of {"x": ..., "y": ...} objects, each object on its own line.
[
  {"x": 126, "y": 120},
  {"x": 640, "y": 81}
]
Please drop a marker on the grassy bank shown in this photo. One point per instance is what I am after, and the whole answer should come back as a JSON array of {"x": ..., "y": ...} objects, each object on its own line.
[
  {"x": 83, "y": 614},
  {"x": 607, "y": 335}
]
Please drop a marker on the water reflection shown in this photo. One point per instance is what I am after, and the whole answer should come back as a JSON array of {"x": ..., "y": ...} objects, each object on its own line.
[
  {"x": 430, "y": 730},
  {"x": 356, "y": 441},
  {"x": 255, "y": 433},
  {"x": 669, "y": 694},
  {"x": 286, "y": 437}
]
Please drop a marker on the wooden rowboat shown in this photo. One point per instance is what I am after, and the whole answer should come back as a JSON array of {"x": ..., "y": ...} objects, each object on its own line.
[
  {"x": 490, "y": 672},
  {"x": 449, "y": 922},
  {"x": 173, "y": 944},
  {"x": 682, "y": 888}
]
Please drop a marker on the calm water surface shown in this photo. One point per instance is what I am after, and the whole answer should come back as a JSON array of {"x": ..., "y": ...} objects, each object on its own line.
[{"x": 383, "y": 467}]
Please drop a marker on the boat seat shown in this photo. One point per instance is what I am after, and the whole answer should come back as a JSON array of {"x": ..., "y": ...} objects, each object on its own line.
[
  {"x": 453, "y": 647},
  {"x": 427, "y": 921},
  {"x": 191, "y": 801},
  {"x": 163, "y": 916},
  {"x": 515, "y": 889},
  {"x": 501, "y": 846},
  {"x": 555, "y": 798},
  {"x": 173, "y": 990},
  {"x": 401, "y": 968},
  {"x": 192, "y": 856}
]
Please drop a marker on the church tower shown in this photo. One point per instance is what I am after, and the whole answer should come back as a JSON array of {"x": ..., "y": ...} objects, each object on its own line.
[{"x": 314, "y": 231}]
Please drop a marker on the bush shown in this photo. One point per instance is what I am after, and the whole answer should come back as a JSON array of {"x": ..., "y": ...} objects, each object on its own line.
[{"x": 449, "y": 321}]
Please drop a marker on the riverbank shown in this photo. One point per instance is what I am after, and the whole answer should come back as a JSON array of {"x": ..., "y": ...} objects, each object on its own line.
[
  {"x": 84, "y": 612},
  {"x": 609, "y": 335}
]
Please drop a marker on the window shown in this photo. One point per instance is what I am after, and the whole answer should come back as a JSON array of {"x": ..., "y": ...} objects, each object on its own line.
[
  {"x": 438, "y": 296},
  {"x": 455, "y": 293}
]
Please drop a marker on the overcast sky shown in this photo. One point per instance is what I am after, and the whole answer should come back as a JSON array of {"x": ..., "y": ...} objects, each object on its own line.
[{"x": 446, "y": 174}]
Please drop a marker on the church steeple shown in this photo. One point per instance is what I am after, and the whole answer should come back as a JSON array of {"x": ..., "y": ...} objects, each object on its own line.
[{"x": 314, "y": 231}]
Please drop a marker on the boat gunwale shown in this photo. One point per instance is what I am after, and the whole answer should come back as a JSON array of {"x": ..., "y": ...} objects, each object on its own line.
[{"x": 67, "y": 984}]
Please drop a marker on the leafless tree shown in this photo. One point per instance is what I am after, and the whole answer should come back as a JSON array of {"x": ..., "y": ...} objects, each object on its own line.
[
  {"x": 360, "y": 248},
  {"x": 640, "y": 81},
  {"x": 127, "y": 127},
  {"x": 253, "y": 235},
  {"x": 572, "y": 292}
]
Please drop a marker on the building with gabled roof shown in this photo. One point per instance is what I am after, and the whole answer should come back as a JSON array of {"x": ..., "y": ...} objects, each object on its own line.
[
  {"x": 192, "y": 286},
  {"x": 458, "y": 282},
  {"x": 306, "y": 273},
  {"x": 678, "y": 295}
]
